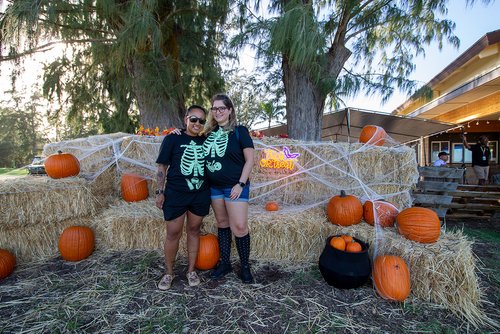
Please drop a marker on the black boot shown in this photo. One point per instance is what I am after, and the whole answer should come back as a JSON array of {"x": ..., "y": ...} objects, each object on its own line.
[
  {"x": 243, "y": 247},
  {"x": 224, "y": 265}
]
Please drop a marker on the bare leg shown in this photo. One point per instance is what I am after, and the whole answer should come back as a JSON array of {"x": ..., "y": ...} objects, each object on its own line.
[
  {"x": 171, "y": 244},
  {"x": 193, "y": 238}
]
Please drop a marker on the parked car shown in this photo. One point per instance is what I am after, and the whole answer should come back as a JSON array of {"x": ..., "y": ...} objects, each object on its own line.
[{"x": 36, "y": 167}]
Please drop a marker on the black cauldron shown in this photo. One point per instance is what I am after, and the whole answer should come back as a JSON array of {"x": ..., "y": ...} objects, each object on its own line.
[{"x": 345, "y": 270}]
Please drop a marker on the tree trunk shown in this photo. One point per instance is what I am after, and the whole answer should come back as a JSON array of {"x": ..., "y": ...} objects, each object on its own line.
[
  {"x": 156, "y": 108},
  {"x": 304, "y": 104}
]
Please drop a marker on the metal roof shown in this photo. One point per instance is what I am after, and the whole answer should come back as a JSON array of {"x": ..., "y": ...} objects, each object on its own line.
[{"x": 345, "y": 126}]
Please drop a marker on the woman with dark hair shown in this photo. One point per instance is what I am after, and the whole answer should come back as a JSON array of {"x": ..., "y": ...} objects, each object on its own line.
[
  {"x": 229, "y": 158},
  {"x": 186, "y": 194}
]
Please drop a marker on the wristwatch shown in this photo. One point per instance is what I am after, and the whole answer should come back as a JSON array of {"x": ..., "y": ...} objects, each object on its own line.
[
  {"x": 242, "y": 184},
  {"x": 159, "y": 191}
]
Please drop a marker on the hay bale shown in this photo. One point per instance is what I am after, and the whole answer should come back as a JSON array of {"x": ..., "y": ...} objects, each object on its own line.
[
  {"x": 95, "y": 153},
  {"x": 40, "y": 240},
  {"x": 38, "y": 199},
  {"x": 137, "y": 225}
]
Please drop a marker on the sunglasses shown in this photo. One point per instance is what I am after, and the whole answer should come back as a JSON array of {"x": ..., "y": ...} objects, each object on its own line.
[{"x": 194, "y": 119}]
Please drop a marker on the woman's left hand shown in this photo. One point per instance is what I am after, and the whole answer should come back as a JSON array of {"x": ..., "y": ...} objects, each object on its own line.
[{"x": 236, "y": 192}]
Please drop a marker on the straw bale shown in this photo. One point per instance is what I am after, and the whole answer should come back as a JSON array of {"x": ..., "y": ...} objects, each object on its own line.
[
  {"x": 40, "y": 240},
  {"x": 95, "y": 153},
  {"x": 137, "y": 225},
  {"x": 40, "y": 199}
]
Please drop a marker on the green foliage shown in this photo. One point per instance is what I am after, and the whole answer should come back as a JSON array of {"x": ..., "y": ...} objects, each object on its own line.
[
  {"x": 121, "y": 57},
  {"x": 21, "y": 137}
]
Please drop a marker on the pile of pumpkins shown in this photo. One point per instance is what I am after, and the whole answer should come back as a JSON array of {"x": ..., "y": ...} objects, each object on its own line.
[{"x": 390, "y": 273}]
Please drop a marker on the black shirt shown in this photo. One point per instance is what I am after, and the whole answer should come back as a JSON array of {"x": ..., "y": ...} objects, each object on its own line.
[
  {"x": 184, "y": 154},
  {"x": 480, "y": 155},
  {"x": 224, "y": 155}
]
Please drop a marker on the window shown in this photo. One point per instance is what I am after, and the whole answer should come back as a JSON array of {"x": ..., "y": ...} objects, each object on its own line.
[
  {"x": 494, "y": 151},
  {"x": 458, "y": 150},
  {"x": 438, "y": 146},
  {"x": 456, "y": 156}
]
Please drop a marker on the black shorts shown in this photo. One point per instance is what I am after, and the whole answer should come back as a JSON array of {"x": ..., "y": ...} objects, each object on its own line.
[{"x": 177, "y": 203}]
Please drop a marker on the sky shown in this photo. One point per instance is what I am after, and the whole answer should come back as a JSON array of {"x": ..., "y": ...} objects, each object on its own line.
[{"x": 471, "y": 25}]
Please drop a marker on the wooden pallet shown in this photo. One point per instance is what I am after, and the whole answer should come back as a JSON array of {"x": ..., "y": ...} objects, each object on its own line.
[{"x": 439, "y": 189}]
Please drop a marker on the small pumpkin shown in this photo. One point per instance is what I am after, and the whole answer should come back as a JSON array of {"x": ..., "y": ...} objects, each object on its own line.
[
  {"x": 272, "y": 206},
  {"x": 7, "y": 263},
  {"x": 208, "y": 252},
  {"x": 344, "y": 210},
  {"x": 419, "y": 224},
  {"x": 62, "y": 165},
  {"x": 353, "y": 247},
  {"x": 347, "y": 238},
  {"x": 384, "y": 212},
  {"x": 372, "y": 134},
  {"x": 391, "y": 277},
  {"x": 76, "y": 243},
  {"x": 338, "y": 243},
  {"x": 134, "y": 188}
]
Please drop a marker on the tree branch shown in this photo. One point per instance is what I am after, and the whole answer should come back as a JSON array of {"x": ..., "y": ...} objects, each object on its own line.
[{"x": 48, "y": 46}]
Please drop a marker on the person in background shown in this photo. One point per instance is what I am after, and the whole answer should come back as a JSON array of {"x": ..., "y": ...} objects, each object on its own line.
[
  {"x": 229, "y": 158},
  {"x": 481, "y": 155},
  {"x": 442, "y": 159},
  {"x": 186, "y": 194}
]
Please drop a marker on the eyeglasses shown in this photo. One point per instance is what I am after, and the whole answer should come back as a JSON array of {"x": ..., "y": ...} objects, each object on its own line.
[
  {"x": 219, "y": 109},
  {"x": 194, "y": 119}
]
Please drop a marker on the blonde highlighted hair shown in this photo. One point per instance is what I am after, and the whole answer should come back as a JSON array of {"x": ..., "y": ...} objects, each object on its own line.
[{"x": 212, "y": 123}]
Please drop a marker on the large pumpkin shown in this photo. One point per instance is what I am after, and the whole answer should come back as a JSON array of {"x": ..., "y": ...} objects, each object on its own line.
[
  {"x": 391, "y": 277},
  {"x": 384, "y": 212},
  {"x": 7, "y": 263},
  {"x": 344, "y": 209},
  {"x": 61, "y": 165},
  {"x": 372, "y": 134},
  {"x": 76, "y": 243},
  {"x": 134, "y": 188},
  {"x": 208, "y": 252},
  {"x": 419, "y": 224}
]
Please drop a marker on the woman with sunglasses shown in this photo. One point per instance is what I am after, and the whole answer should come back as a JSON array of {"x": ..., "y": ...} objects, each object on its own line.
[
  {"x": 229, "y": 158},
  {"x": 186, "y": 194}
]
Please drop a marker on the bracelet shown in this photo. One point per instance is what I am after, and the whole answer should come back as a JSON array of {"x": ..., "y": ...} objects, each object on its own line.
[{"x": 159, "y": 191}]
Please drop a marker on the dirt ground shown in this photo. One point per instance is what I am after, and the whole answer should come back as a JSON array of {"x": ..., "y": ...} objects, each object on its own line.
[{"x": 115, "y": 292}]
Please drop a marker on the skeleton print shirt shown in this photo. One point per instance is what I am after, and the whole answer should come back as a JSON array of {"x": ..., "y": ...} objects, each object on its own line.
[
  {"x": 184, "y": 154},
  {"x": 224, "y": 155}
]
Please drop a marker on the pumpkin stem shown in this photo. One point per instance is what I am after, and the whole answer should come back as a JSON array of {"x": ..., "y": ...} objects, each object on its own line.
[
  {"x": 59, "y": 152},
  {"x": 342, "y": 193}
]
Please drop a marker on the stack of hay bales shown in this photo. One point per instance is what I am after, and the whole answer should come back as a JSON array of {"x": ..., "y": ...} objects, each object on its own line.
[{"x": 296, "y": 233}]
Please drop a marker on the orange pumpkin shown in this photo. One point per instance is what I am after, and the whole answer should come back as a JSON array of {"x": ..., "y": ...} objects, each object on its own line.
[
  {"x": 134, "y": 188},
  {"x": 353, "y": 247},
  {"x": 344, "y": 209},
  {"x": 419, "y": 224},
  {"x": 7, "y": 263},
  {"x": 372, "y": 134},
  {"x": 76, "y": 243},
  {"x": 347, "y": 238},
  {"x": 61, "y": 165},
  {"x": 391, "y": 277},
  {"x": 272, "y": 206},
  {"x": 208, "y": 252},
  {"x": 385, "y": 212},
  {"x": 337, "y": 243}
]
